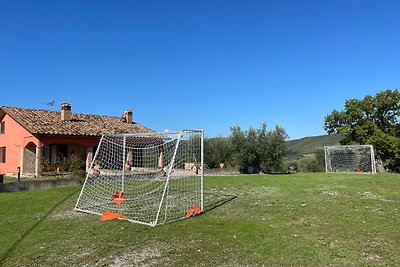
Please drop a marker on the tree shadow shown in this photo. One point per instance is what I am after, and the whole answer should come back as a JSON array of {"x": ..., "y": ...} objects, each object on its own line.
[{"x": 33, "y": 227}]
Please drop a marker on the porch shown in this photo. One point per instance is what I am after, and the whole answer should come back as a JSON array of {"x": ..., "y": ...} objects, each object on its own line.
[{"x": 50, "y": 158}]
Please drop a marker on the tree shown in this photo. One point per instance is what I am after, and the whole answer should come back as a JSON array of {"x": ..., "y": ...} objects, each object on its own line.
[
  {"x": 274, "y": 150},
  {"x": 216, "y": 151},
  {"x": 371, "y": 120},
  {"x": 243, "y": 150},
  {"x": 257, "y": 150}
]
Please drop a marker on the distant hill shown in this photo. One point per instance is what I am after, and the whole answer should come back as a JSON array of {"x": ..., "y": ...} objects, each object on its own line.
[{"x": 307, "y": 145}]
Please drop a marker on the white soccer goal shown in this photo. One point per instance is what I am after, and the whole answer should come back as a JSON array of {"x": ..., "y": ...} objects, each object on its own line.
[
  {"x": 350, "y": 159},
  {"x": 151, "y": 178}
]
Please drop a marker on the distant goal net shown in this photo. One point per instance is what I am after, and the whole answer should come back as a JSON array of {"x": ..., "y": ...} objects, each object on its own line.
[
  {"x": 350, "y": 159},
  {"x": 151, "y": 178}
]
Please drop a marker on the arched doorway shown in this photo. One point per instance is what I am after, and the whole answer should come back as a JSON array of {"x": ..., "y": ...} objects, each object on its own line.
[{"x": 29, "y": 159}]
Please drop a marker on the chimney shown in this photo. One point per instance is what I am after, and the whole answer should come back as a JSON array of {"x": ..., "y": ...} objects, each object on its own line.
[
  {"x": 65, "y": 111},
  {"x": 128, "y": 116}
]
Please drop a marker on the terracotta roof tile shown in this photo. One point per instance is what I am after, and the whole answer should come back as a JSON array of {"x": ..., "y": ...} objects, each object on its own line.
[{"x": 38, "y": 121}]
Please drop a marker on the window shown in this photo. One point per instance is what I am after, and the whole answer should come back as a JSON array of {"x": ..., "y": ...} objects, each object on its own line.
[
  {"x": 2, "y": 154},
  {"x": 2, "y": 127}
]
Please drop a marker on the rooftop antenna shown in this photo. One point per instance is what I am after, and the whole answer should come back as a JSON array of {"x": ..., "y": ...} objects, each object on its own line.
[{"x": 51, "y": 103}]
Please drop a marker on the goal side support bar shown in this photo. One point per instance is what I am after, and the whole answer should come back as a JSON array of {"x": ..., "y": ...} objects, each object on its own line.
[
  {"x": 171, "y": 165},
  {"x": 202, "y": 173},
  {"x": 87, "y": 176},
  {"x": 373, "y": 160}
]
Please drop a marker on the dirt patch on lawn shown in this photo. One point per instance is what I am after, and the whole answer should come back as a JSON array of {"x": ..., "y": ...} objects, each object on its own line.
[
  {"x": 146, "y": 257},
  {"x": 369, "y": 195},
  {"x": 66, "y": 214}
]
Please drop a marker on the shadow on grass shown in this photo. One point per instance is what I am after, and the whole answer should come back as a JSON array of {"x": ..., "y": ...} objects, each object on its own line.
[
  {"x": 33, "y": 227},
  {"x": 213, "y": 200}
]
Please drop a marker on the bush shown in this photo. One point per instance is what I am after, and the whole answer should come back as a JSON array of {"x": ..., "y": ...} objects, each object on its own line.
[
  {"x": 308, "y": 163},
  {"x": 290, "y": 166},
  {"x": 47, "y": 166},
  {"x": 312, "y": 162},
  {"x": 75, "y": 165}
]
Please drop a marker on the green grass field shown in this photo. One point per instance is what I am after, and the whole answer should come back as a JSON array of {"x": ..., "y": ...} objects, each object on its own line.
[{"x": 304, "y": 219}]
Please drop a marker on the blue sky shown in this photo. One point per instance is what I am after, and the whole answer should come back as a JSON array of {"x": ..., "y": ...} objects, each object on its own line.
[{"x": 199, "y": 64}]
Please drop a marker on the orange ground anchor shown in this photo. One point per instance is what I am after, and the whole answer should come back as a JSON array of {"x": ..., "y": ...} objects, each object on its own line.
[
  {"x": 117, "y": 198},
  {"x": 108, "y": 215},
  {"x": 195, "y": 210}
]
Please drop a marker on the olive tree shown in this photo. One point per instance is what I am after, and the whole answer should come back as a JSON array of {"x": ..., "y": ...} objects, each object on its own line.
[
  {"x": 258, "y": 150},
  {"x": 217, "y": 150}
]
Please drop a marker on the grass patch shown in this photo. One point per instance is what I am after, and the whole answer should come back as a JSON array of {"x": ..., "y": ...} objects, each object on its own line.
[{"x": 286, "y": 220}]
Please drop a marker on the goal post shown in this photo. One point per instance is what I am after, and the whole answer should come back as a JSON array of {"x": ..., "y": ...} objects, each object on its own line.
[
  {"x": 147, "y": 178},
  {"x": 350, "y": 159}
]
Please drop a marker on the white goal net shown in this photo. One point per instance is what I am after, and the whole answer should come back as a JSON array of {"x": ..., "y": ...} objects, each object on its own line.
[
  {"x": 350, "y": 159},
  {"x": 151, "y": 178}
]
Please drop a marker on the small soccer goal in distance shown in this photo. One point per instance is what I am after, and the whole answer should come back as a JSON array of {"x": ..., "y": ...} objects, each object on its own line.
[
  {"x": 151, "y": 178},
  {"x": 350, "y": 159}
]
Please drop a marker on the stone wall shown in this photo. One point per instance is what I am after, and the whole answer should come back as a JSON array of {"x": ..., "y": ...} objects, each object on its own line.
[{"x": 21, "y": 186}]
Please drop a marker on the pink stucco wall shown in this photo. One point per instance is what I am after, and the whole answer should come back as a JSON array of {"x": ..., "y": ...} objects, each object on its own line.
[{"x": 14, "y": 139}]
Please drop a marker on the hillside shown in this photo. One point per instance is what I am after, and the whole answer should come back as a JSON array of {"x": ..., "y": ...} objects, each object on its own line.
[{"x": 307, "y": 145}]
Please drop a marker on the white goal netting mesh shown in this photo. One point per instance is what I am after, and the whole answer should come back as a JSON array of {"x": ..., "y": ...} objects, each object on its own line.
[
  {"x": 148, "y": 178},
  {"x": 350, "y": 159}
]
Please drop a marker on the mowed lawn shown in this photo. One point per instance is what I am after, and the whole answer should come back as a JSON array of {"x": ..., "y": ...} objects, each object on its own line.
[{"x": 304, "y": 219}]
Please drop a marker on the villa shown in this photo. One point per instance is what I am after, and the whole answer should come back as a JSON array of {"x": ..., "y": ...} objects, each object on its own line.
[{"x": 31, "y": 137}]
